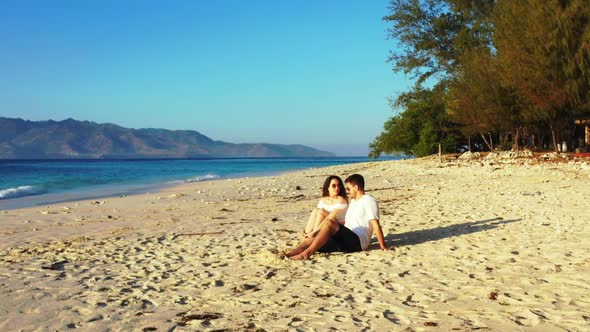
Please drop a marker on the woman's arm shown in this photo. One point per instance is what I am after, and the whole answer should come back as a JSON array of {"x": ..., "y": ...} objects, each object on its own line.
[{"x": 331, "y": 217}]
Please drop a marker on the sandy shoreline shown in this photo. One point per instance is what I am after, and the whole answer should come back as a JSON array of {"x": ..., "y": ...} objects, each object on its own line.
[{"x": 480, "y": 245}]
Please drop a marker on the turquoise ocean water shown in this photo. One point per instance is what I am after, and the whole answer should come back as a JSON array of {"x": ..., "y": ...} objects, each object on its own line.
[{"x": 40, "y": 182}]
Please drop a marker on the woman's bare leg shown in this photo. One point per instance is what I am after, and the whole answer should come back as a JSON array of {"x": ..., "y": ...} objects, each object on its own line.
[
  {"x": 309, "y": 227},
  {"x": 320, "y": 215}
]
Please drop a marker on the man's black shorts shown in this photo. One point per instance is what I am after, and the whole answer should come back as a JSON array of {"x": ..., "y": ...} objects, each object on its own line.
[{"x": 344, "y": 240}]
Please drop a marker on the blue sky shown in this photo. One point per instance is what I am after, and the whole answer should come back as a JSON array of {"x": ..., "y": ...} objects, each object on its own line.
[{"x": 288, "y": 72}]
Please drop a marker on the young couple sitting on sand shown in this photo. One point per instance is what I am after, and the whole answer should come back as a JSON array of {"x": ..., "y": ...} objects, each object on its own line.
[{"x": 339, "y": 225}]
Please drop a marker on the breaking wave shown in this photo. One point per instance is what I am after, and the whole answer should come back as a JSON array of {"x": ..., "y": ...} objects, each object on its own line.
[
  {"x": 201, "y": 178},
  {"x": 20, "y": 192}
]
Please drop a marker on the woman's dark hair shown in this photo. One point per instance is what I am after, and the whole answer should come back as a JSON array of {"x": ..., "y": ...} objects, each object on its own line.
[{"x": 329, "y": 179}]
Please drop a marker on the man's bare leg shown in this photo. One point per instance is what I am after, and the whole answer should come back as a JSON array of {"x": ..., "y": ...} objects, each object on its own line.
[
  {"x": 329, "y": 228},
  {"x": 301, "y": 247}
]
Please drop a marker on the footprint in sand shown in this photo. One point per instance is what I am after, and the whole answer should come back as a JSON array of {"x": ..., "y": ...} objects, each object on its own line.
[
  {"x": 395, "y": 318},
  {"x": 529, "y": 318},
  {"x": 95, "y": 318},
  {"x": 296, "y": 322}
]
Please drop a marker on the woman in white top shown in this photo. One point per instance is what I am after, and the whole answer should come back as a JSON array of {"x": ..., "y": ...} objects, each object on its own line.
[{"x": 333, "y": 203}]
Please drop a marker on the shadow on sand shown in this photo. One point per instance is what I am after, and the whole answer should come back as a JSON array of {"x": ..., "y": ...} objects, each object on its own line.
[{"x": 438, "y": 233}]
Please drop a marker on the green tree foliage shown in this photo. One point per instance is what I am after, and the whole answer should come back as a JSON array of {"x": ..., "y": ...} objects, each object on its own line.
[
  {"x": 503, "y": 68},
  {"x": 479, "y": 101},
  {"x": 542, "y": 47},
  {"x": 430, "y": 34},
  {"x": 419, "y": 129}
]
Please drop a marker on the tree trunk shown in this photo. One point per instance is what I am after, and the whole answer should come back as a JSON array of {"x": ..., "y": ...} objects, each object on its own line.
[
  {"x": 469, "y": 143},
  {"x": 554, "y": 138},
  {"x": 516, "y": 145},
  {"x": 486, "y": 141},
  {"x": 504, "y": 138}
]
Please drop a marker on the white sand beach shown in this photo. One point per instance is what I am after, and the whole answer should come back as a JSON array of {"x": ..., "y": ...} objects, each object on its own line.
[{"x": 482, "y": 244}]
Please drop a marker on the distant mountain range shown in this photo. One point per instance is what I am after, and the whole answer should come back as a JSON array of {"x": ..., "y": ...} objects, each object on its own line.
[{"x": 72, "y": 139}]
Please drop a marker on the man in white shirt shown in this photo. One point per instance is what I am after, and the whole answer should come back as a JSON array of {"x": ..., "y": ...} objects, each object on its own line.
[{"x": 361, "y": 220}]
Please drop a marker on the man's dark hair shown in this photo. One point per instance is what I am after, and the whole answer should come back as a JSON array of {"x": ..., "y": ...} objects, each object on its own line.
[{"x": 356, "y": 180}]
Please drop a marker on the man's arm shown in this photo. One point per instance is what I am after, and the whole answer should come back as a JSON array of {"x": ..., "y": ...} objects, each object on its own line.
[{"x": 377, "y": 229}]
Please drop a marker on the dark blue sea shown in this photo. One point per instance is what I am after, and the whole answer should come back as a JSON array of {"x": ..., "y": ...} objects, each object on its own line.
[{"x": 40, "y": 182}]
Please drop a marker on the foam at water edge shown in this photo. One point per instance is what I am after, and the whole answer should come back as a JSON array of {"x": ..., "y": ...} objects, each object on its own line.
[
  {"x": 201, "y": 178},
  {"x": 20, "y": 192}
]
